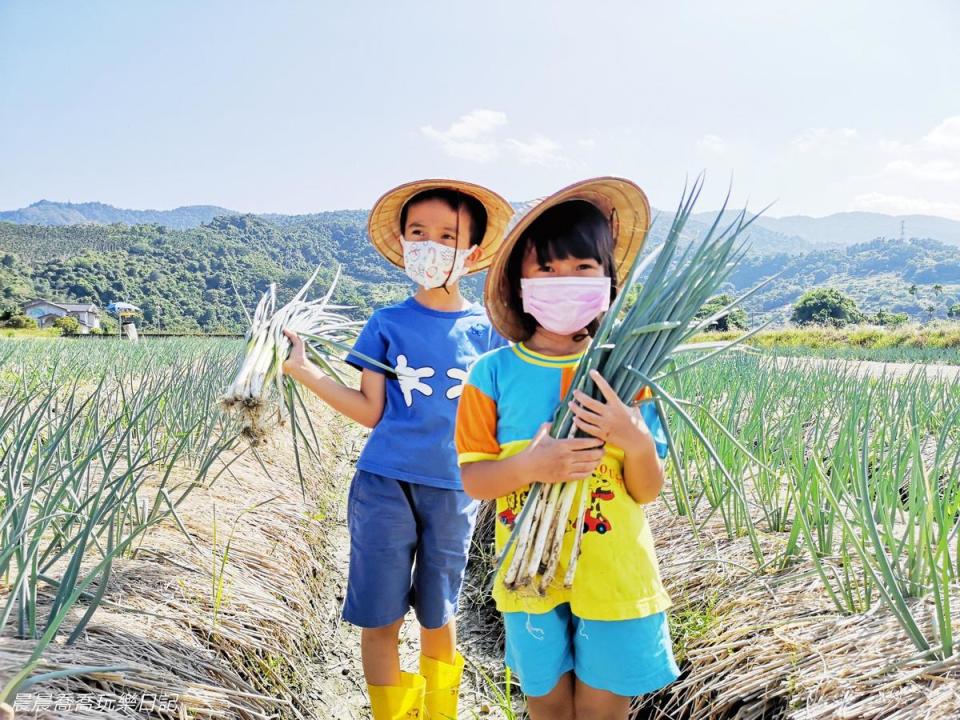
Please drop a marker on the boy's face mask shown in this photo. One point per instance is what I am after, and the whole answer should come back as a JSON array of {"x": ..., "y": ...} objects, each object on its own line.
[
  {"x": 565, "y": 305},
  {"x": 432, "y": 265}
]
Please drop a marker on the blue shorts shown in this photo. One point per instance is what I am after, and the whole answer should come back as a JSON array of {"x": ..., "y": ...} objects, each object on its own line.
[
  {"x": 408, "y": 548},
  {"x": 625, "y": 657}
]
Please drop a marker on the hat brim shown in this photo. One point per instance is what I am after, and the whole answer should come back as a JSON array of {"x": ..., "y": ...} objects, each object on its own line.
[
  {"x": 620, "y": 200},
  {"x": 384, "y": 223}
]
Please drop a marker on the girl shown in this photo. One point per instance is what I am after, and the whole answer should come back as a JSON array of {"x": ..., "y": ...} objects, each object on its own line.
[
  {"x": 581, "y": 652},
  {"x": 409, "y": 519}
]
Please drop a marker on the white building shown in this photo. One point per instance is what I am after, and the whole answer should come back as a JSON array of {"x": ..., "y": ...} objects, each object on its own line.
[{"x": 46, "y": 312}]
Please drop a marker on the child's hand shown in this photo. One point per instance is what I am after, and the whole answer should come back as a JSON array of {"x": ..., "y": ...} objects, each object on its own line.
[
  {"x": 553, "y": 461},
  {"x": 613, "y": 421},
  {"x": 297, "y": 359}
]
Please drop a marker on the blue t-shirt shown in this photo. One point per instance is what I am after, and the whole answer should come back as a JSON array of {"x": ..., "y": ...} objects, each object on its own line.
[{"x": 431, "y": 352}]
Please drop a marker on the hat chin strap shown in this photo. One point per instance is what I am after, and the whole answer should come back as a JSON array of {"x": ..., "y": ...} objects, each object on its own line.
[{"x": 456, "y": 231}]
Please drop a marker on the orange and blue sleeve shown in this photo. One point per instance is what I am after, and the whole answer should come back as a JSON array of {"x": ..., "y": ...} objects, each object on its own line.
[
  {"x": 476, "y": 430},
  {"x": 648, "y": 409}
]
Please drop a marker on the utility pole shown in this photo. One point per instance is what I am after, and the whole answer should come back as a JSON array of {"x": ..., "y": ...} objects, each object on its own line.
[{"x": 902, "y": 225}]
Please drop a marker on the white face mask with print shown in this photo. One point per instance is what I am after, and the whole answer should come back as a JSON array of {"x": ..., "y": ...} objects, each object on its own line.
[{"x": 429, "y": 263}]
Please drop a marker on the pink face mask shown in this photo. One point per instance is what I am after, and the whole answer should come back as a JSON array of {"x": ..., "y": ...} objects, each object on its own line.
[{"x": 565, "y": 305}]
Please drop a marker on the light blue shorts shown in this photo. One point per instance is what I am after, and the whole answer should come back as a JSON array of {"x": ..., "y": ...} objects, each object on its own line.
[{"x": 625, "y": 657}]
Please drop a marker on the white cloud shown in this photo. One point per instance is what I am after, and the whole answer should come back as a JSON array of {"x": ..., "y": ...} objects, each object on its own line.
[
  {"x": 540, "y": 151},
  {"x": 712, "y": 143},
  {"x": 587, "y": 143},
  {"x": 867, "y": 171},
  {"x": 473, "y": 137},
  {"x": 946, "y": 134},
  {"x": 476, "y": 123},
  {"x": 468, "y": 137},
  {"x": 902, "y": 205}
]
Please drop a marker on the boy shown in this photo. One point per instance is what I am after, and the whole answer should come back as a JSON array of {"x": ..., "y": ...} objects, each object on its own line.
[{"x": 409, "y": 519}]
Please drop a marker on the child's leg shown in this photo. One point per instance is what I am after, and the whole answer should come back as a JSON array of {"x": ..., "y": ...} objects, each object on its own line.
[
  {"x": 594, "y": 704},
  {"x": 445, "y": 520},
  {"x": 383, "y": 541},
  {"x": 440, "y": 643},
  {"x": 539, "y": 649},
  {"x": 380, "y": 655},
  {"x": 617, "y": 660},
  {"x": 558, "y": 704}
]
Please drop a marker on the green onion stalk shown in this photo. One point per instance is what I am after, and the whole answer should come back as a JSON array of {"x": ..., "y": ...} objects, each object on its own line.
[{"x": 632, "y": 349}]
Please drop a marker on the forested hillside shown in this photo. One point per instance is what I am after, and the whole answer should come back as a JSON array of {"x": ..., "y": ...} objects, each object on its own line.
[{"x": 185, "y": 279}]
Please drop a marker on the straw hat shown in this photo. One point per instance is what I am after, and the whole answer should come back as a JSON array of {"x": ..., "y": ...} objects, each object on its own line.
[
  {"x": 620, "y": 200},
  {"x": 384, "y": 223}
]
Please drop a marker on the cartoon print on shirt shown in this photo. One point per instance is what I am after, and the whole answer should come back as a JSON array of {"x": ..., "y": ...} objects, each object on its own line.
[
  {"x": 601, "y": 491},
  {"x": 515, "y": 501},
  {"x": 593, "y": 519},
  {"x": 410, "y": 379},
  {"x": 460, "y": 375}
]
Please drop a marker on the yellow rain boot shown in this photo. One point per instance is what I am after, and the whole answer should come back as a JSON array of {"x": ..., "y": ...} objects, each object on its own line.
[
  {"x": 398, "y": 702},
  {"x": 443, "y": 687}
]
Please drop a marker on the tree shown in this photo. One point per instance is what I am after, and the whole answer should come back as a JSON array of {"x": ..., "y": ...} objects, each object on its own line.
[
  {"x": 21, "y": 322},
  {"x": 825, "y": 306},
  {"x": 67, "y": 325},
  {"x": 938, "y": 289},
  {"x": 883, "y": 317},
  {"x": 735, "y": 319},
  {"x": 954, "y": 311},
  {"x": 913, "y": 290}
]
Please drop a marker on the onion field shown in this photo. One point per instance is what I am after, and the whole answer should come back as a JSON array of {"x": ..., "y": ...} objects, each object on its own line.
[
  {"x": 801, "y": 474},
  {"x": 99, "y": 442}
]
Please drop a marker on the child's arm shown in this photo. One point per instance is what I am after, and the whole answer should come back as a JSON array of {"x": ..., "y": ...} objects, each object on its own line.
[
  {"x": 364, "y": 405},
  {"x": 614, "y": 423},
  {"x": 545, "y": 460}
]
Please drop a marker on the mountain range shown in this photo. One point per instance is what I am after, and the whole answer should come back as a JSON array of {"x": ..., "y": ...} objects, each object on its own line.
[
  {"x": 792, "y": 234},
  {"x": 190, "y": 278},
  {"x": 45, "y": 212}
]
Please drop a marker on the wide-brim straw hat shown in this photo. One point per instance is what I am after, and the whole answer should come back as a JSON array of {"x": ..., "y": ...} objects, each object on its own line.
[
  {"x": 621, "y": 201},
  {"x": 384, "y": 223}
]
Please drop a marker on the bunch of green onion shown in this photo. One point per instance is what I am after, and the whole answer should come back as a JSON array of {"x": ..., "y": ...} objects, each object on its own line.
[
  {"x": 323, "y": 327},
  {"x": 326, "y": 332},
  {"x": 631, "y": 349}
]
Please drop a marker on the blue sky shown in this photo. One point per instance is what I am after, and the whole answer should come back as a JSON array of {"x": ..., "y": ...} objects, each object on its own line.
[{"x": 285, "y": 106}]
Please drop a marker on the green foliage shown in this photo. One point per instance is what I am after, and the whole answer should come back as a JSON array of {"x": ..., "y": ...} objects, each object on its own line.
[
  {"x": 735, "y": 319},
  {"x": 877, "y": 274},
  {"x": 884, "y": 318},
  {"x": 938, "y": 342},
  {"x": 825, "y": 306},
  {"x": 184, "y": 280},
  {"x": 67, "y": 325},
  {"x": 954, "y": 311},
  {"x": 21, "y": 322}
]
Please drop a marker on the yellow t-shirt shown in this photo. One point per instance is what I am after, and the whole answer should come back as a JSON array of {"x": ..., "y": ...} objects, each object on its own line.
[{"x": 511, "y": 392}]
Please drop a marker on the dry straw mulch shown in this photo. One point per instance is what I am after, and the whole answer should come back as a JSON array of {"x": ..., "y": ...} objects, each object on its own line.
[
  {"x": 157, "y": 617},
  {"x": 767, "y": 647},
  {"x": 775, "y": 646}
]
